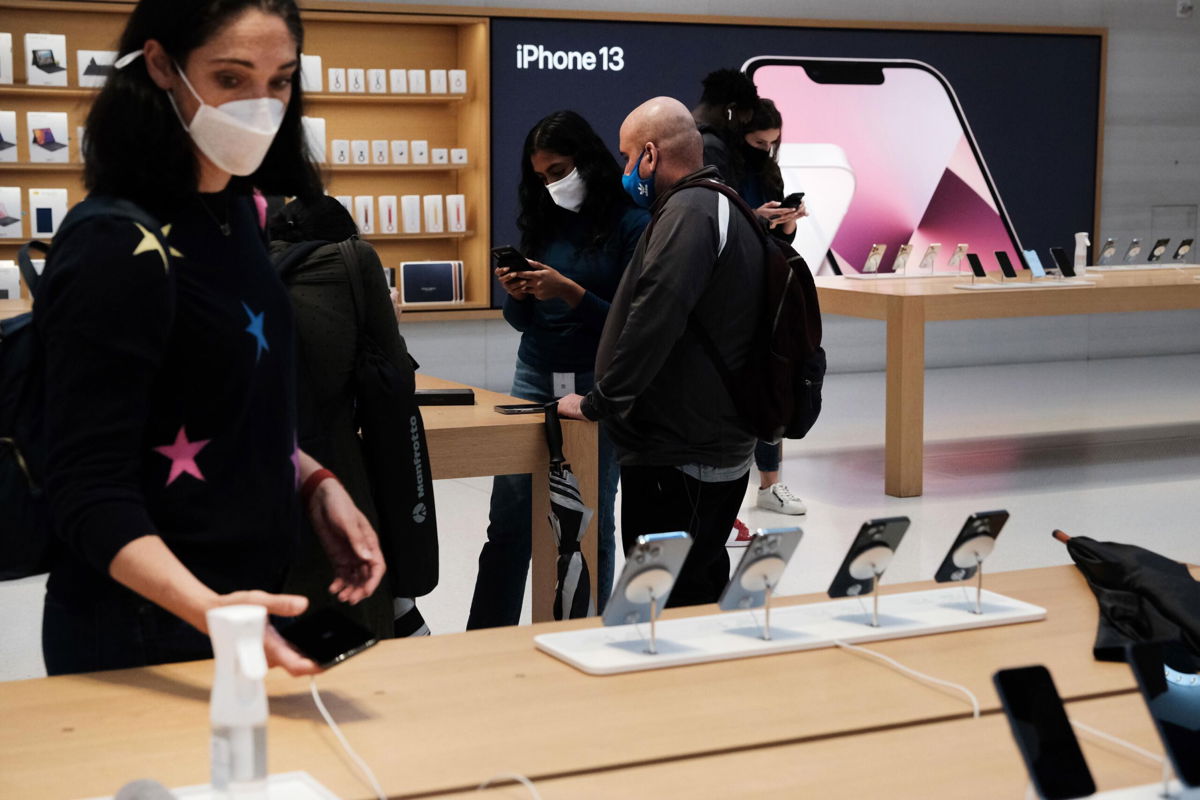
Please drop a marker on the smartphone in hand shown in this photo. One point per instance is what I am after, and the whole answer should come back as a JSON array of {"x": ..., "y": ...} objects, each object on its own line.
[
  {"x": 328, "y": 636},
  {"x": 793, "y": 200},
  {"x": 509, "y": 258}
]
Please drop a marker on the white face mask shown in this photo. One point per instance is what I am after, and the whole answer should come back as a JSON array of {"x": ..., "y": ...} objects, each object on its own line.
[
  {"x": 235, "y": 136},
  {"x": 568, "y": 192}
]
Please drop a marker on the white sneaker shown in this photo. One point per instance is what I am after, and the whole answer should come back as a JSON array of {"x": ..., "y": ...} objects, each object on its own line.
[{"x": 779, "y": 498}]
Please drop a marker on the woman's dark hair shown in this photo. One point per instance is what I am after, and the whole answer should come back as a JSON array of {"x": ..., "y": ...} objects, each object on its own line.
[
  {"x": 315, "y": 219},
  {"x": 767, "y": 117},
  {"x": 568, "y": 134},
  {"x": 725, "y": 86},
  {"x": 135, "y": 146}
]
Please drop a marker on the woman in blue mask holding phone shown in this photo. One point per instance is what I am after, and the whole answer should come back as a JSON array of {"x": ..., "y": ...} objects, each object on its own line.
[
  {"x": 578, "y": 231},
  {"x": 173, "y": 476}
]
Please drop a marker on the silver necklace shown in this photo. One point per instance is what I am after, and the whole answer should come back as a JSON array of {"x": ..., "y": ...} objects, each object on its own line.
[{"x": 223, "y": 227}]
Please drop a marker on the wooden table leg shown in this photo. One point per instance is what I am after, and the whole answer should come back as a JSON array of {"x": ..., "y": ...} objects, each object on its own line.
[
  {"x": 579, "y": 446},
  {"x": 904, "y": 438}
]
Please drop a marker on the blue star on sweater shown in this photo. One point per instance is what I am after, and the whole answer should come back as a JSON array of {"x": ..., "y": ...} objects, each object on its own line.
[{"x": 255, "y": 329}]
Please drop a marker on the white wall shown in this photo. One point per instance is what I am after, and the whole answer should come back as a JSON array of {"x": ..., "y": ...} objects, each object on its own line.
[{"x": 1150, "y": 187}]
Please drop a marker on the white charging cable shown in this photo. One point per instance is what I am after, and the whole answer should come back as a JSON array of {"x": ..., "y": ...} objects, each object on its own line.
[
  {"x": 512, "y": 776},
  {"x": 362, "y": 765},
  {"x": 1108, "y": 737},
  {"x": 920, "y": 676}
]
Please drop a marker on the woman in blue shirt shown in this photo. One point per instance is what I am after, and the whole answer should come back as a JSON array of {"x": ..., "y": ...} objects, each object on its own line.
[{"x": 578, "y": 230}]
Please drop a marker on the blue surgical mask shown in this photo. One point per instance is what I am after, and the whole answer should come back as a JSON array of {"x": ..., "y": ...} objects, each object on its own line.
[{"x": 639, "y": 188}]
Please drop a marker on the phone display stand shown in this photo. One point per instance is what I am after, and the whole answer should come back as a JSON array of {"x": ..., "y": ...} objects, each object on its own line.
[
  {"x": 871, "y": 564},
  {"x": 971, "y": 554},
  {"x": 736, "y": 634},
  {"x": 763, "y": 576},
  {"x": 645, "y": 590},
  {"x": 291, "y": 785}
]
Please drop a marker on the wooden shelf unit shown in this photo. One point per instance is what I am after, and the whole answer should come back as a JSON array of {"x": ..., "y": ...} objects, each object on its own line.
[{"x": 363, "y": 37}]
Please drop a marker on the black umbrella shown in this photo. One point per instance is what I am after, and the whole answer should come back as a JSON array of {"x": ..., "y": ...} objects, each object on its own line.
[
  {"x": 569, "y": 518},
  {"x": 1143, "y": 596}
]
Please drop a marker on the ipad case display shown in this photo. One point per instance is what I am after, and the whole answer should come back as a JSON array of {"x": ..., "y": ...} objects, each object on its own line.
[
  {"x": 423, "y": 282},
  {"x": 940, "y": 191},
  {"x": 311, "y": 73},
  {"x": 314, "y": 137},
  {"x": 8, "y": 137},
  {"x": 95, "y": 66},
  {"x": 10, "y": 213},
  {"x": 48, "y": 137},
  {"x": 6, "y": 58},
  {"x": 45, "y": 55},
  {"x": 47, "y": 207}
]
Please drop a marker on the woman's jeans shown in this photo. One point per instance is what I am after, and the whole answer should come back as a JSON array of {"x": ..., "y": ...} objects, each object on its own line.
[{"x": 504, "y": 561}]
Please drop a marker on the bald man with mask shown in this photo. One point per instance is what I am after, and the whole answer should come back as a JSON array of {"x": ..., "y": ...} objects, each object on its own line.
[{"x": 685, "y": 453}]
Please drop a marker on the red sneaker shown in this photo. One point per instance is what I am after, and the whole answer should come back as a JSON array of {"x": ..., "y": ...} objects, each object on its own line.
[{"x": 739, "y": 536}]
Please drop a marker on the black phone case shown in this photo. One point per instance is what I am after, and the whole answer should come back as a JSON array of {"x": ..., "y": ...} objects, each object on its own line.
[
  {"x": 889, "y": 532},
  {"x": 976, "y": 266},
  {"x": 994, "y": 521},
  {"x": 1006, "y": 265},
  {"x": 1062, "y": 262}
]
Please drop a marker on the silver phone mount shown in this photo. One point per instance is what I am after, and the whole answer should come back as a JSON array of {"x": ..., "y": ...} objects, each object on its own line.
[
  {"x": 763, "y": 576},
  {"x": 647, "y": 588},
  {"x": 871, "y": 564},
  {"x": 971, "y": 553}
]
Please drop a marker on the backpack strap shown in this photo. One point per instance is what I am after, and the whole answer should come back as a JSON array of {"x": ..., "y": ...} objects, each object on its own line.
[
  {"x": 288, "y": 261},
  {"x": 349, "y": 252}
]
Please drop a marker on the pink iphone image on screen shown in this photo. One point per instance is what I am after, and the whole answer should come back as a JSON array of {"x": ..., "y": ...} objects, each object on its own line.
[{"x": 900, "y": 165}]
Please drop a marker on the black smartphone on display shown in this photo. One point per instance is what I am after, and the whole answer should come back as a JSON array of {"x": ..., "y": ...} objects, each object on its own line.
[
  {"x": 1043, "y": 733},
  {"x": 872, "y": 548},
  {"x": 1168, "y": 675},
  {"x": 976, "y": 538},
  {"x": 1062, "y": 262},
  {"x": 1184, "y": 248},
  {"x": 328, "y": 636},
  {"x": 976, "y": 266},
  {"x": 1158, "y": 251},
  {"x": 793, "y": 200},
  {"x": 521, "y": 408},
  {"x": 510, "y": 258},
  {"x": 1006, "y": 265}
]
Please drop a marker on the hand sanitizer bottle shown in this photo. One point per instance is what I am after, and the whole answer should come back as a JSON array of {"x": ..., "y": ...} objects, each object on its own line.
[
  {"x": 239, "y": 703},
  {"x": 1082, "y": 242}
]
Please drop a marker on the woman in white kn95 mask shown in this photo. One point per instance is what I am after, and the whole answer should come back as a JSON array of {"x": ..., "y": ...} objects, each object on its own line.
[
  {"x": 175, "y": 482},
  {"x": 578, "y": 229}
]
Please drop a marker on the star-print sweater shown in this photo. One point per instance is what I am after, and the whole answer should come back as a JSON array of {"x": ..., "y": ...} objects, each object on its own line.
[{"x": 170, "y": 404}]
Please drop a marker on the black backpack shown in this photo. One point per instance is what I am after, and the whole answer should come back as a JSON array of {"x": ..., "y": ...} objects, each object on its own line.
[
  {"x": 778, "y": 390},
  {"x": 25, "y": 539}
]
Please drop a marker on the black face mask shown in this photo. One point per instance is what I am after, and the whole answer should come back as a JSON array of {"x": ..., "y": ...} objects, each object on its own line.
[{"x": 755, "y": 159}]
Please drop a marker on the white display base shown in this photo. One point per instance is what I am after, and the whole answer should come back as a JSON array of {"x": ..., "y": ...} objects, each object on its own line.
[
  {"x": 283, "y": 786},
  {"x": 883, "y": 276},
  {"x": 1132, "y": 267},
  {"x": 717, "y": 637},
  {"x": 1016, "y": 285},
  {"x": 1150, "y": 791}
]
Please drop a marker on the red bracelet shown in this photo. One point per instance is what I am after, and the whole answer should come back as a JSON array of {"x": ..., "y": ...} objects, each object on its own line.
[{"x": 310, "y": 485}]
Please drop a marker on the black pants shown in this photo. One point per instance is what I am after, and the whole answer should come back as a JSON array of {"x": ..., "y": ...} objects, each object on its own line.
[{"x": 662, "y": 499}]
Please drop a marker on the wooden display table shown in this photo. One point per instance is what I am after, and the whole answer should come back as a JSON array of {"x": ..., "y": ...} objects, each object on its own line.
[
  {"x": 906, "y": 304},
  {"x": 446, "y": 713}
]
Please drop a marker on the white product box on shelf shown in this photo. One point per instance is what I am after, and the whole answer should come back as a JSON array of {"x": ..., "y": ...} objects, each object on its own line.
[
  {"x": 399, "y": 151},
  {"x": 11, "y": 226},
  {"x": 8, "y": 136},
  {"x": 364, "y": 213},
  {"x": 360, "y": 152},
  {"x": 410, "y": 213},
  {"x": 435, "y": 213},
  {"x": 438, "y": 83},
  {"x": 398, "y": 80},
  {"x": 6, "y": 59},
  {"x": 45, "y": 59},
  {"x": 458, "y": 155},
  {"x": 47, "y": 207},
  {"x": 377, "y": 81},
  {"x": 458, "y": 81},
  {"x": 340, "y": 150},
  {"x": 10, "y": 280},
  {"x": 439, "y": 155},
  {"x": 416, "y": 81},
  {"x": 419, "y": 150},
  {"x": 48, "y": 136},
  {"x": 311, "y": 73},
  {"x": 379, "y": 151},
  {"x": 347, "y": 202},
  {"x": 95, "y": 66},
  {"x": 356, "y": 80},
  {"x": 314, "y": 137},
  {"x": 456, "y": 213},
  {"x": 337, "y": 79},
  {"x": 80, "y": 140},
  {"x": 389, "y": 222}
]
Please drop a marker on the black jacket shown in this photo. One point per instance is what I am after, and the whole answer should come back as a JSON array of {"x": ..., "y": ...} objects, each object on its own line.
[{"x": 657, "y": 391}]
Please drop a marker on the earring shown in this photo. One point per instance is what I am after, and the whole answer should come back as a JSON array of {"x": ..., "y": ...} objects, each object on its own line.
[{"x": 729, "y": 114}]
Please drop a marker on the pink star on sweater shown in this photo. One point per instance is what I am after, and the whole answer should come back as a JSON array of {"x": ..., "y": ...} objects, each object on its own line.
[{"x": 183, "y": 456}]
